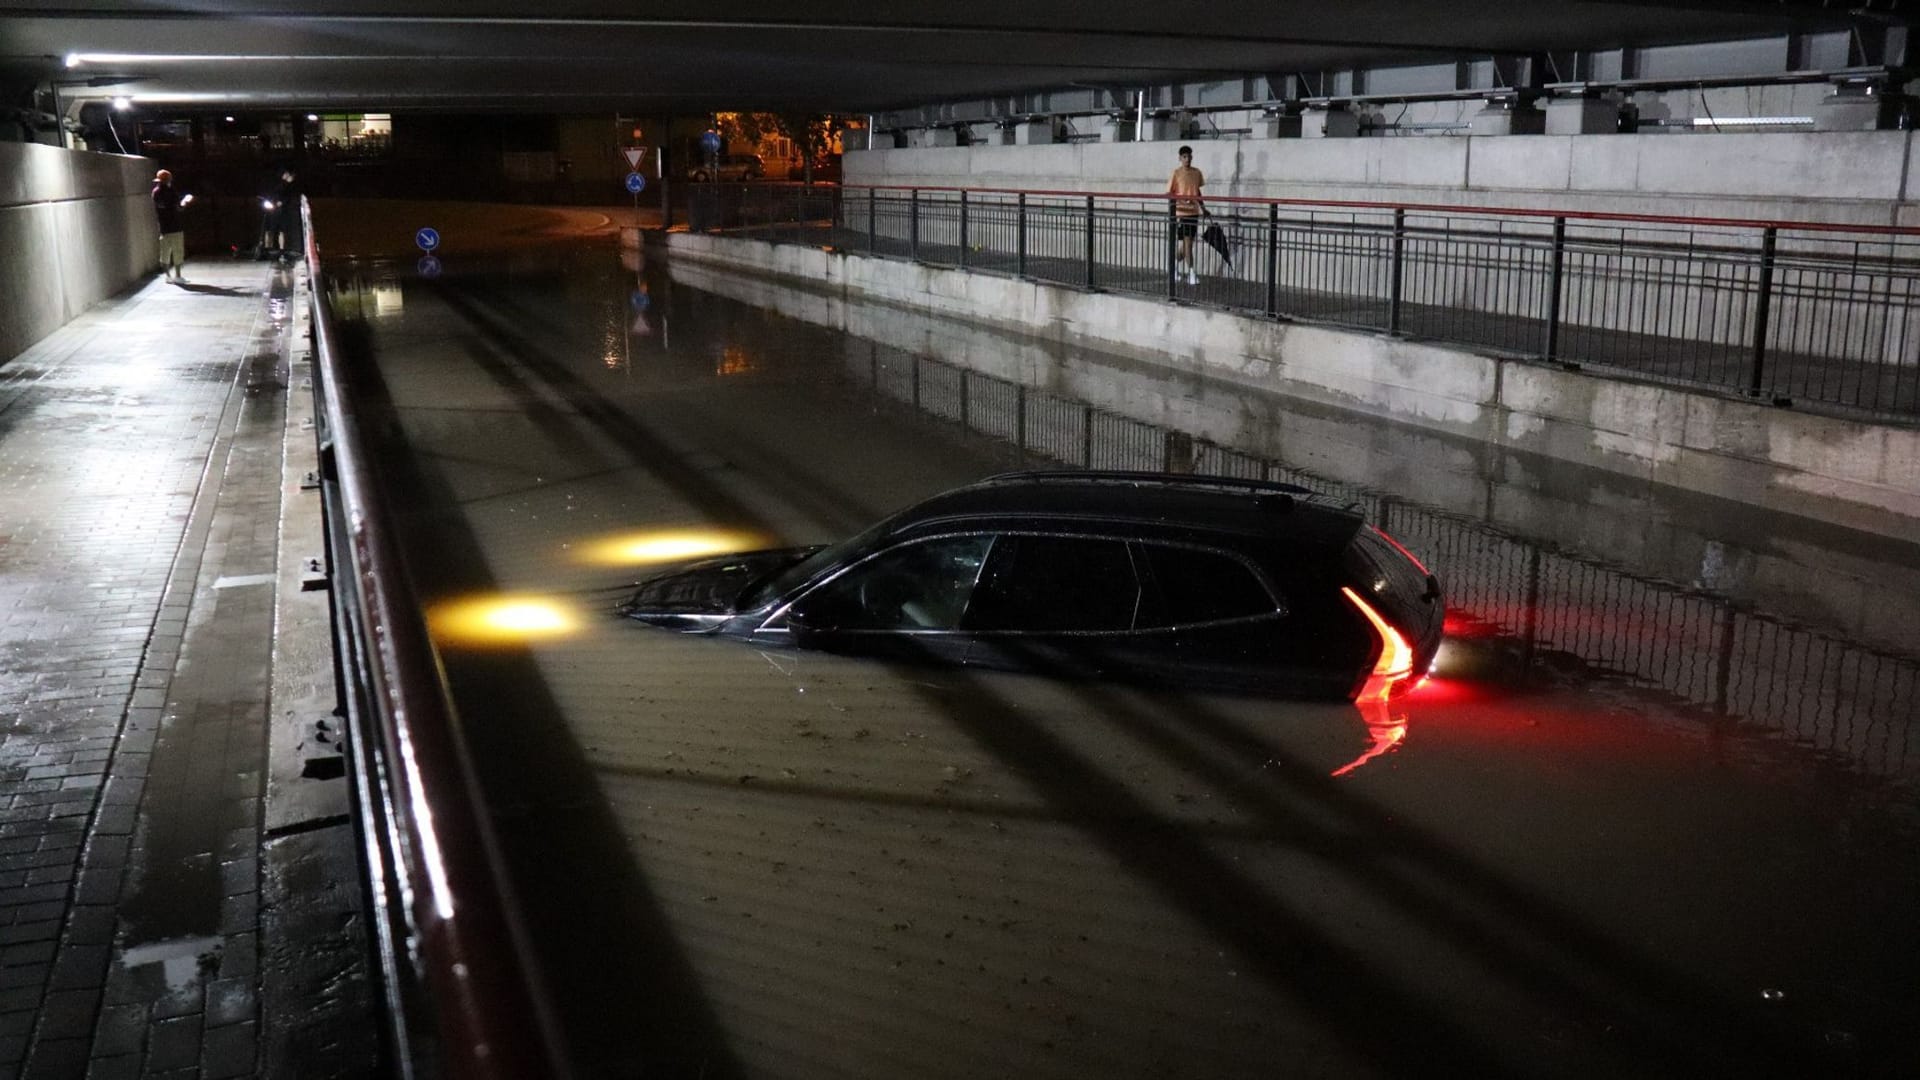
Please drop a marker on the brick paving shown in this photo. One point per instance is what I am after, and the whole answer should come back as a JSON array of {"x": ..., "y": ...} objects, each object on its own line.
[{"x": 140, "y": 451}]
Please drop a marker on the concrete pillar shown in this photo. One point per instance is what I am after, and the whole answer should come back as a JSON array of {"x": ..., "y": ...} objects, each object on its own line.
[
  {"x": 1160, "y": 129},
  {"x": 1855, "y": 107},
  {"x": 1508, "y": 118},
  {"x": 1329, "y": 122},
  {"x": 1276, "y": 126},
  {"x": 1582, "y": 116},
  {"x": 1116, "y": 129},
  {"x": 1034, "y": 133}
]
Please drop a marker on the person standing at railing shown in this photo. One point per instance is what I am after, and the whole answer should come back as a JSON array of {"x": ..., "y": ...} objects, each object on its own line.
[{"x": 1184, "y": 185}]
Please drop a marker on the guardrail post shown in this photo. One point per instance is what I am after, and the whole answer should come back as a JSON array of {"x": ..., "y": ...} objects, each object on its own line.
[
  {"x": 1762, "y": 309},
  {"x": 913, "y": 224},
  {"x": 1092, "y": 236},
  {"x": 963, "y": 228},
  {"x": 1020, "y": 236},
  {"x": 1398, "y": 270},
  {"x": 1173, "y": 250},
  {"x": 1273, "y": 259},
  {"x": 1555, "y": 273},
  {"x": 1020, "y": 419},
  {"x": 873, "y": 203}
]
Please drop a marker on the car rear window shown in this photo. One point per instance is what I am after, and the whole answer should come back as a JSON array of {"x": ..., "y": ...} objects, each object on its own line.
[
  {"x": 1196, "y": 586},
  {"x": 1056, "y": 583}
]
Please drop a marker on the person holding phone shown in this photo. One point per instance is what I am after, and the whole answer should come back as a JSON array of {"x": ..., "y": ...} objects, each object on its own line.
[{"x": 168, "y": 202}]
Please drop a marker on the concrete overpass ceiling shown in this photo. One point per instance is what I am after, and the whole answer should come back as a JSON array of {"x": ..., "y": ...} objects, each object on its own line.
[{"x": 594, "y": 54}]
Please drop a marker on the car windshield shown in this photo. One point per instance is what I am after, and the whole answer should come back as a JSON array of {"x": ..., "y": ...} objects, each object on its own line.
[{"x": 778, "y": 585}]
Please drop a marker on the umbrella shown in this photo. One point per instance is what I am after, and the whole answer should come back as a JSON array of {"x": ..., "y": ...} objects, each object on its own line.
[{"x": 1216, "y": 238}]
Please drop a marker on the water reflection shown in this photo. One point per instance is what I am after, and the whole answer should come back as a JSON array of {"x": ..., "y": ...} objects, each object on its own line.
[
  {"x": 1699, "y": 617},
  {"x": 366, "y": 290},
  {"x": 1386, "y": 728}
]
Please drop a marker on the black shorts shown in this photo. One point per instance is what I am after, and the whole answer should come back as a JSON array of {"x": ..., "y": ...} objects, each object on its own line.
[{"x": 1186, "y": 228}]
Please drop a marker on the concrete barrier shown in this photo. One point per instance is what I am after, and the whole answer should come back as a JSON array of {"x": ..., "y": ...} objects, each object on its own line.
[
  {"x": 1855, "y": 474},
  {"x": 1840, "y": 177},
  {"x": 77, "y": 228}
]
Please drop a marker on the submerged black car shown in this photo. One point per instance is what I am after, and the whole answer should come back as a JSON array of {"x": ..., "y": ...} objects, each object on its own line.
[{"x": 1200, "y": 580}]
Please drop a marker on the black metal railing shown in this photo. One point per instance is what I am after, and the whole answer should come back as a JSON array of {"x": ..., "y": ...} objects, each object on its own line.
[
  {"x": 1791, "y": 313},
  {"x": 459, "y": 993},
  {"x": 1730, "y": 662}
]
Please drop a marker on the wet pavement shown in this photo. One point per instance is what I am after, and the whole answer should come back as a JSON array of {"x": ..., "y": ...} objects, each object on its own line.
[
  {"x": 1656, "y": 815},
  {"x": 140, "y": 538}
]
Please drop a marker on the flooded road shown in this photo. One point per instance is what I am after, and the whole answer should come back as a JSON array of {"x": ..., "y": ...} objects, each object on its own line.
[{"x": 1656, "y": 814}]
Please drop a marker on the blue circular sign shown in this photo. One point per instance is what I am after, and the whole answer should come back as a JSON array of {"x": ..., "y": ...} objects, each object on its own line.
[
  {"x": 636, "y": 183},
  {"x": 428, "y": 239},
  {"x": 429, "y": 266},
  {"x": 710, "y": 142},
  {"x": 640, "y": 301}
]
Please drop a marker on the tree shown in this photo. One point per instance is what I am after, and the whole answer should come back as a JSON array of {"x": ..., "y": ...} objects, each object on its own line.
[{"x": 813, "y": 133}]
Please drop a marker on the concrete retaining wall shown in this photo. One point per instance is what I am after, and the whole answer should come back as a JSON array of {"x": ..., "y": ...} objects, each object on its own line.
[
  {"x": 76, "y": 228},
  {"x": 1859, "y": 475},
  {"x": 1847, "y": 177}
]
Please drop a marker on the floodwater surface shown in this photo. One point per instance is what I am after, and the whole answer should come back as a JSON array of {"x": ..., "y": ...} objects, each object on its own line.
[{"x": 1655, "y": 815}]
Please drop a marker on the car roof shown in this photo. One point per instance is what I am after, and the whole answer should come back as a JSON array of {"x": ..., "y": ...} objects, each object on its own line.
[{"x": 1162, "y": 502}]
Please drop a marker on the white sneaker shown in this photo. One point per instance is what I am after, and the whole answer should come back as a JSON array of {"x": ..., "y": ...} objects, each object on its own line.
[{"x": 1192, "y": 277}]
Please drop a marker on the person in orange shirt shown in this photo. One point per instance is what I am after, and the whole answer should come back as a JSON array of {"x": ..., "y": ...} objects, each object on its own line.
[{"x": 1184, "y": 185}]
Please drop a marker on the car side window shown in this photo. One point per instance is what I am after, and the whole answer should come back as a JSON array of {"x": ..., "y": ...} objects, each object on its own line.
[
  {"x": 923, "y": 585},
  {"x": 1191, "y": 586},
  {"x": 1056, "y": 583}
]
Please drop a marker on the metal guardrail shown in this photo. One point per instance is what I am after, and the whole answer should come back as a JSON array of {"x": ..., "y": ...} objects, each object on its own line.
[
  {"x": 1790, "y": 313},
  {"x": 459, "y": 989}
]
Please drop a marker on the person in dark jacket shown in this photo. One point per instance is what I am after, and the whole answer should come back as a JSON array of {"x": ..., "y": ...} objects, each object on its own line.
[
  {"x": 282, "y": 206},
  {"x": 168, "y": 202}
]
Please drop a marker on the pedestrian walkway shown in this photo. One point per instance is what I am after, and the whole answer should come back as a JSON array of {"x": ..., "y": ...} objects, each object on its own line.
[{"x": 145, "y": 902}]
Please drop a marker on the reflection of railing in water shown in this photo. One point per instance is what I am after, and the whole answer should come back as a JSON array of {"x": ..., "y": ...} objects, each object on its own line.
[{"x": 1735, "y": 664}]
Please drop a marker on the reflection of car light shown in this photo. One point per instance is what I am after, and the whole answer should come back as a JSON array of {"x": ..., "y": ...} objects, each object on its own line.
[
  {"x": 642, "y": 548},
  {"x": 1395, "y": 663},
  {"x": 1402, "y": 549},
  {"x": 500, "y": 620},
  {"x": 1385, "y": 732}
]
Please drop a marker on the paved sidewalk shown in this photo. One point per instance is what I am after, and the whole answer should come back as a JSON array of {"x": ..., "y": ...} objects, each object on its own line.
[{"x": 141, "y": 493}]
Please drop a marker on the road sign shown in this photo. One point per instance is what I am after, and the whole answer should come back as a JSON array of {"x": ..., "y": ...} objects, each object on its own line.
[
  {"x": 710, "y": 142},
  {"x": 636, "y": 183},
  {"x": 429, "y": 266},
  {"x": 634, "y": 154},
  {"x": 428, "y": 239}
]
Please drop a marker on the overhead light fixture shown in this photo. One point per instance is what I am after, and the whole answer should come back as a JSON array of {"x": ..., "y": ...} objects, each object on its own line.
[
  {"x": 78, "y": 58},
  {"x": 123, "y": 103},
  {"x": 313, "y": 116},
  {"x": 229, "y": 119}
]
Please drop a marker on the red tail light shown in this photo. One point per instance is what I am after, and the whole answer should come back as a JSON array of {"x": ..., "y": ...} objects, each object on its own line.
[{"x": 1395, "y": 663}]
